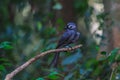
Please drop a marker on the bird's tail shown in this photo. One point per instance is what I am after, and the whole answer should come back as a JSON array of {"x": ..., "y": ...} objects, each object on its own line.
[{"x": 54, "y": 62}]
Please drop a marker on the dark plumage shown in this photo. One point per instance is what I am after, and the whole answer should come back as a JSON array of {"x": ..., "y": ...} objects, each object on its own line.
[{"x": 69, "y": 36}]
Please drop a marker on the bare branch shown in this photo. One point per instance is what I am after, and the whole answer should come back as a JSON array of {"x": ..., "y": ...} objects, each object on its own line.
[{"x": 26, "y": 64}]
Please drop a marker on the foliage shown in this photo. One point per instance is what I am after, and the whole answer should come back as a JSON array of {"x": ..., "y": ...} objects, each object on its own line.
[
  {"x": 4, "y": 62},
  {"x": 5, "y": 45},
  {"x": 81, "y": 6},
  {"x": 29, "y": 27}
]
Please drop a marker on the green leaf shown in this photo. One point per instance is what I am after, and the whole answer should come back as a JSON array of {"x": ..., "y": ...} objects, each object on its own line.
[
  {"x": 61, "y": 23},
  {"x": 6, "y": 45},
  {"x": 118, "y": 58},
  {"x": 2, "y": 68},
  {"x": 53, "y": 75},
  {"x": 81, "y": 7},
  {"x": 40, "y": 78},
  {"x": 90, "y": 63},
  {"x": 39, "y": 25},
  {"x": 112, "y": 55},
  {"x": 97, "y": 48},
  {"x": 4, "y": 59},
  {"x": 7, "y": 64},
  {"x": 103, "y": 53},
  {"x": 97, "y": 71}
]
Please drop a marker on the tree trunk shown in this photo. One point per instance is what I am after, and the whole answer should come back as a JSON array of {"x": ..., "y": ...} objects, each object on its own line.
[
  {"x": 67, "y": 10},
  {"x": 115, "y": 12},
  {"x": 106, "y": 43},
  {"x": 112, "y": 31}
]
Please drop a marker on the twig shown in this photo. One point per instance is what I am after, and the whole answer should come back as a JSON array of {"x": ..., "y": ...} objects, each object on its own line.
[
  {"x": 114, "y": 66},
  {"x": 30, "y": 61}
]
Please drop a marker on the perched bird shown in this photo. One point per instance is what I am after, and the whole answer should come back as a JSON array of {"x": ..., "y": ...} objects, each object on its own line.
[{"x": 69, "y": 36}]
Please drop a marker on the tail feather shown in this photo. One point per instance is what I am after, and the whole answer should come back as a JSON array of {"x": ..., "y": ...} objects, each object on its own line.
[{"x": 54, "y": 62}]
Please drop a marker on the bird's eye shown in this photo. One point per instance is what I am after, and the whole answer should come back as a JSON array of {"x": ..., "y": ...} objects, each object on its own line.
[{"x": 70, "y": 27}]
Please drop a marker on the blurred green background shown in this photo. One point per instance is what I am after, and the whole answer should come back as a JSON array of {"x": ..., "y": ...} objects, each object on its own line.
[{"x": 28, "y": 27}]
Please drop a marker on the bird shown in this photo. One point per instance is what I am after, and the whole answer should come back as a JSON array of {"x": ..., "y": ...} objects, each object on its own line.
[{"x": 70, "y": 35}]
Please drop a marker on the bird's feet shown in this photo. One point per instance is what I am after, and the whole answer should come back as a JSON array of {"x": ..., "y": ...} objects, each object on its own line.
[{"x": 69, "y": 47}]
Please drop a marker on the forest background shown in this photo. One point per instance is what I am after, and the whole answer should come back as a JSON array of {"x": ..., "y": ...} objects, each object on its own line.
[{"x": 28, "y": 27}]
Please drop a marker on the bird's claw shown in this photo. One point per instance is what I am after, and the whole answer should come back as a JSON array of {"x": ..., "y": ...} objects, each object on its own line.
[{"x": 69, "y": 47}]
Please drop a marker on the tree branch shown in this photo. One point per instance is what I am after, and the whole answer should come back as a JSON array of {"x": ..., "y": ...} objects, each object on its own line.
[{"x": 26, "y": 64}]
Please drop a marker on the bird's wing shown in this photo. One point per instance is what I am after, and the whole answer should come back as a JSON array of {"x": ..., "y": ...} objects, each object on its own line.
[
  {"x": 76, "y": 37},
  {"x": 63, "y": 39}
]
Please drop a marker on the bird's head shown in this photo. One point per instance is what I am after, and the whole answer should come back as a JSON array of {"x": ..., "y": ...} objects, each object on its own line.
[{"x": 71, "y": 26}]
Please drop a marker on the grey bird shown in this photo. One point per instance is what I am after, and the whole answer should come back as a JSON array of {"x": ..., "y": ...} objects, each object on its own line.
[{"x": 69, "y": 36}]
